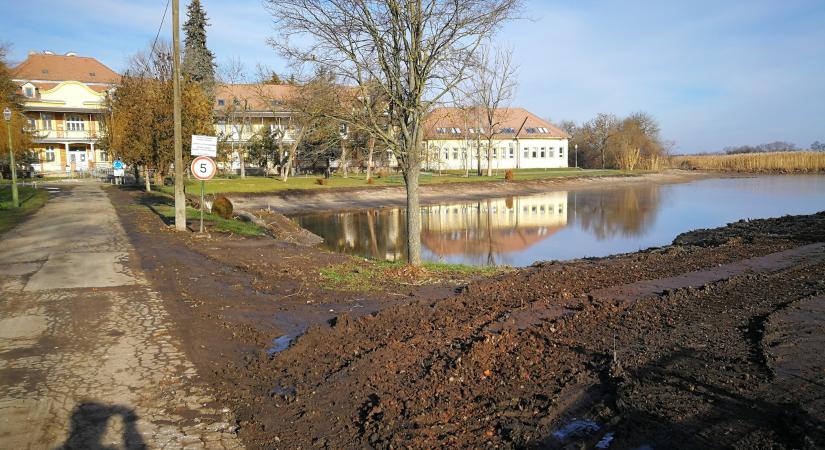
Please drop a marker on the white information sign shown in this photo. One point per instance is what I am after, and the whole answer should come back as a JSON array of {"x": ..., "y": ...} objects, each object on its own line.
[
  {"x": 204, "y": 145},
  {"x": 203, "y": 168},
  {"x": 119, "y": 172}
]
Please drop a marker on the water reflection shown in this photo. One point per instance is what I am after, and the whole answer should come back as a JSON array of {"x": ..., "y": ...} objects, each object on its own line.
[
  {"x": 563, "y": 225},
  {"x": 627, "y": 212},
  {"x": 486, "y": 232}
]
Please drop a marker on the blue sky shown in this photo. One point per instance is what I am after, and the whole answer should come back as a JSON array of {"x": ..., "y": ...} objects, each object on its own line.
[{"x": 714, "y": 73}]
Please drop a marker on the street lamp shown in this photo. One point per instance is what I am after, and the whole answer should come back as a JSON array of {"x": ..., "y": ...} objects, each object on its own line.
[
  {"x": 14, "y": 198},
  {"x": 576, "y": 146}
]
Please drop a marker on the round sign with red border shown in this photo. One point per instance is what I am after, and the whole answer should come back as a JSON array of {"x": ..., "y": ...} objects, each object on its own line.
[{"x": 203, "y": 168}]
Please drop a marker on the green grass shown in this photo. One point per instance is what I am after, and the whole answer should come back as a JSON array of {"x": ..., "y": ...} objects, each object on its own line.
[
  {"x": 272, "y": 184},
  {"x": 365, "y": 276},
  {"x": 163, "y": 206},
  {"x": 30, "y": 201}
]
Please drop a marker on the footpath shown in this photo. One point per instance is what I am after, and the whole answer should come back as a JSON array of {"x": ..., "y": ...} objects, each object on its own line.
[{"x": 87, "y": 357}]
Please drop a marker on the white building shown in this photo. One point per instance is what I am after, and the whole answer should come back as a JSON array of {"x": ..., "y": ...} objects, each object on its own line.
[{"x": 521, "y": 140}]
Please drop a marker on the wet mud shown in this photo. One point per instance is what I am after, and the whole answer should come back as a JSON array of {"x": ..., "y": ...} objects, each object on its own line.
[{"x": 712, "y": 342}]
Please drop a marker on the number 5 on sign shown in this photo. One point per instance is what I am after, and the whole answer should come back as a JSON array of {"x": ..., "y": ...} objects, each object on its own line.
[{"x": 203, "y": 168}]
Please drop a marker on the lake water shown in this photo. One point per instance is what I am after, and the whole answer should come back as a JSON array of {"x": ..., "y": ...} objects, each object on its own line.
[{"x": 518, "y": 231}]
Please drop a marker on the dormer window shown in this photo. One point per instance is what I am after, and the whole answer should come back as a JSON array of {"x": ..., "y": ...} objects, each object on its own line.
[
  {"x": 28, "y": 91},
  {"x": 91, "y": 74},
  {"x": 45, "y": 71}
]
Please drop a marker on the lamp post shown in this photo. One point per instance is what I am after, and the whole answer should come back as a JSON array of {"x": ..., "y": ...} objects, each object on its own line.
[
  {"x": 576, "y": 146},
  {"x": 14, "y": 198}
]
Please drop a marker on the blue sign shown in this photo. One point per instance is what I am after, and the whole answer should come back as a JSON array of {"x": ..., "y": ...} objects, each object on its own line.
[{"x": 118, "y": 164}]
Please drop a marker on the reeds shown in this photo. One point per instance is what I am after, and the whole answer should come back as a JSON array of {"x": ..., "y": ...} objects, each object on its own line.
[{"x": 781, "y": 162}]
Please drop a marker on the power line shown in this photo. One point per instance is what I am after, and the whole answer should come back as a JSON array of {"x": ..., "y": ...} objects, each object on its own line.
[{"x": 162, "y": 20}]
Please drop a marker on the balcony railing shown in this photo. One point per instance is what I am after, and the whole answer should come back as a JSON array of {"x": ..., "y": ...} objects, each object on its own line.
[{"x": 66, "y": 134}]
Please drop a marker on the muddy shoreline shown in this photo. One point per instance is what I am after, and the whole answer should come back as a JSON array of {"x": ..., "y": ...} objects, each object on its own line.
[
  {"x": 712, "y": 342},
  {"x": 313, "y": 201}
]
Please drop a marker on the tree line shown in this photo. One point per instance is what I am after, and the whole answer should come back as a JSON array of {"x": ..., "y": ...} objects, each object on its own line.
[
  {"x": 610, "y": 142},
  {"x": 776, "y": 146}
]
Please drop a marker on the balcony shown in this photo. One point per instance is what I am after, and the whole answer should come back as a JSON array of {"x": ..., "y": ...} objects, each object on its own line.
[{"x": 65, "y": 135}]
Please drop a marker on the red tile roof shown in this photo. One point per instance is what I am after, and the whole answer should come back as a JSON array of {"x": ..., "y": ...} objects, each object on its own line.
[
  {"x": 440, "y": 124},
  {"x": 47, "y": 67}
]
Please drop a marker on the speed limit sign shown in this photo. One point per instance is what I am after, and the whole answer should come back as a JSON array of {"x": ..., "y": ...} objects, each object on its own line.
[{"x": 203, "y": 168}]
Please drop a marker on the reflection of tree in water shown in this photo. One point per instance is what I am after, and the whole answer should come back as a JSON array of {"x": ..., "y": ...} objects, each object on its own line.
[
  {"x": 628, "y": 211},
  {"x": 375, "y": 233},
  {"x": 479, "y": 233}
]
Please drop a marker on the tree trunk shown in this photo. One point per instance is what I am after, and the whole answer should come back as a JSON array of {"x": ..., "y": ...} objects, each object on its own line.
[
  {"x": 241, "y": 161},
  {"x": 478, "y": 156},
  {"x": 344, "y": 157},
  {"x": 413, "y": 215},
  {"x": 371, "y": 147},
  {"x": 288, "y": 166},
  {"x": 147, "y": 179},
  {"x": 489, "y": 157}
]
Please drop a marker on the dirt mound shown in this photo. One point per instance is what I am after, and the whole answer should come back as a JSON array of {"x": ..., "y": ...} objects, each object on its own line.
[
  {"x": 282, "y": 228},
  {"x": 680, "y": 368}
]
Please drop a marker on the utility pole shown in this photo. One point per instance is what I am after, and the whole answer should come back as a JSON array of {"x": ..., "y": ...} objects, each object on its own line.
[
  {"x": 15, "y": 200},
  {"x": 180, "y": 199}
]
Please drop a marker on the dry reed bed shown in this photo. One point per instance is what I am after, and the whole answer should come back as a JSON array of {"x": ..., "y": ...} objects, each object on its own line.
[{"x": 784, "y": 162}]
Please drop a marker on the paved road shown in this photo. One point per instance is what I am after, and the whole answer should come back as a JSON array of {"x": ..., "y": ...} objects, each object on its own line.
[{"x": 87, "y": 359}]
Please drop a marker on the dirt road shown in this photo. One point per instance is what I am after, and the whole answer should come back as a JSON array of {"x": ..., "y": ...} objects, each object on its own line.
[{"x": 87, "y": 355}]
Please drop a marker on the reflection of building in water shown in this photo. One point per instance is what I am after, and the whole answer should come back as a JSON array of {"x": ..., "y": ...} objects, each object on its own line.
[
  {"x": 479, "y": 230},
  {"x": 491, "y": 227}
]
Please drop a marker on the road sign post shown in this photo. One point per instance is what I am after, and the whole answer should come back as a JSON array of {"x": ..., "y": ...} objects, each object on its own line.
[{"x": 203, "y": 168}]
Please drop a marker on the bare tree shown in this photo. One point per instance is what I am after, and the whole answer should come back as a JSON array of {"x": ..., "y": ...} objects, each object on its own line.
[
  {"x": 418, "y": 51},
  {"x": 232, "y": 74},
  {"x": 492, "y": 87}
]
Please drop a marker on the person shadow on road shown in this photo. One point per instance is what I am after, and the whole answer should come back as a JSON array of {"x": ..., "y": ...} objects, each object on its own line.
[{"x": 89, "y": 422}]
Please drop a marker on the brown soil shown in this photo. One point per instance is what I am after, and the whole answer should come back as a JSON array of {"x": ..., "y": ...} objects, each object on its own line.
[{"x": 713, "y": 342}]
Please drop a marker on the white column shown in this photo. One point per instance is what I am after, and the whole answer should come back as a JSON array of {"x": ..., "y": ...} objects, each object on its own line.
[{"x": 93, "y": 152}]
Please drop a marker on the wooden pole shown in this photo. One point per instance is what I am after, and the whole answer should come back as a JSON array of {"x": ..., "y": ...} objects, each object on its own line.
[{"x": 180, "y": 199}]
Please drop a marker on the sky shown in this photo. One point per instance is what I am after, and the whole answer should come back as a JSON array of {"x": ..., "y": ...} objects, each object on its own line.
[{"x": 713, "y": 73}]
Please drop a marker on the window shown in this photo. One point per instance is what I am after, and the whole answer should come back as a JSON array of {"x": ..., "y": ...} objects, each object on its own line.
[
  {"x": 104, "y": 156},
  {"x": 455, "y": 153},
  {"x": 75, "y": 123},
  {"x": 542, "y": 152},
  {"x": 512, "y": 153},
  {"x": 531, "y": 130},
  {"x": 534, "y": 152},
  {"x": 46, "y": 121},
  {"x": 507, "y": 130},
  {"x": 495, "y": 153},
  {"x": 221, "y": 102},
  {"x": 561, "y": 152},
  {"x": 446, "y": 153},
  {"x": 50, "y": 153},
  {"x": 28, "y": 91},
  {"x": 526, "y": 153},
  {"x": 32, "y": 123}
]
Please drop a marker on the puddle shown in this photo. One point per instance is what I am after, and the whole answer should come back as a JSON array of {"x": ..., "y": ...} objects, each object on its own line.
[
  {"x": 280, "y": 344},
  {"x": 576, "y": 428},
  {"x": 605, "y": 441}
]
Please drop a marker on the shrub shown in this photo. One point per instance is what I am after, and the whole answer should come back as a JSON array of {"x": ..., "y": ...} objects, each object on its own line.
[
  {"x": 508, "y": 175},
  {"x": 222, "y": 207},
  {"x": 321, "y": 181}
]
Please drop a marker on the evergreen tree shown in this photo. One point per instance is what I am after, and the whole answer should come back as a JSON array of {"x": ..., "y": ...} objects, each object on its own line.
[{"x": 198, "y": 60}]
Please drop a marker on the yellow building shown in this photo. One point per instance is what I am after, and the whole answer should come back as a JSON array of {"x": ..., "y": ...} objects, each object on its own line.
[{"x": 65, "y": 97}]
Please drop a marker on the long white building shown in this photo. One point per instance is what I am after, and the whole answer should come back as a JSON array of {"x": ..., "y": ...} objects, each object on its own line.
[{"x": 521, "y": 140}]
